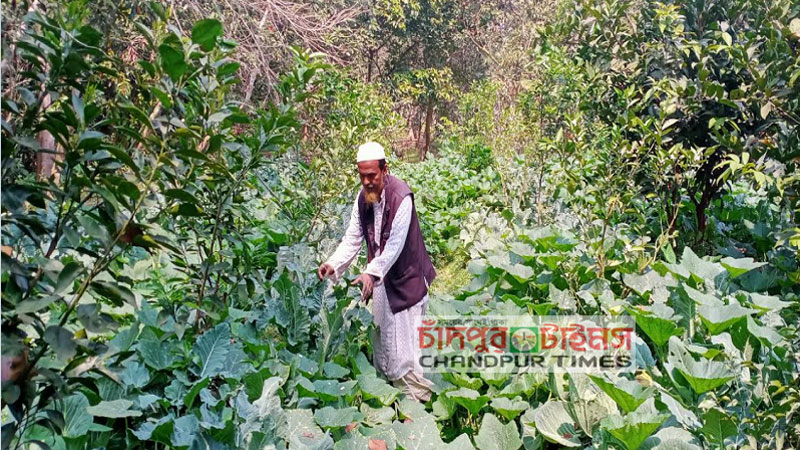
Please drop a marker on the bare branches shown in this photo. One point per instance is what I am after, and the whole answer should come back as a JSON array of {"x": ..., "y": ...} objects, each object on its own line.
[{"x": 264, "y": 28}]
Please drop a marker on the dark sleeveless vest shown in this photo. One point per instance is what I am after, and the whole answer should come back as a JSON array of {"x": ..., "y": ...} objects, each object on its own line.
[{"x": 405, "y": 280}]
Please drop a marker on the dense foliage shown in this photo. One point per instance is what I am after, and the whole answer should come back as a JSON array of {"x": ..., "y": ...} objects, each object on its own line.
[{"x": 158, "y": 278}]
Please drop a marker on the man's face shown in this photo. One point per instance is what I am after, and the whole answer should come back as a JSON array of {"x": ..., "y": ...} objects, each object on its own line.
[{"x": 372, "y": 179}]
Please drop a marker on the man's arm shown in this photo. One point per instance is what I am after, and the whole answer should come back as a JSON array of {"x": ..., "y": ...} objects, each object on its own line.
[
  {"x": 347, "y": 250},
  {"x": 394, "y": 245}
]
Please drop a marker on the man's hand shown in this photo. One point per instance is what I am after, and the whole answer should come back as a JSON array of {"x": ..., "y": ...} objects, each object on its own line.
[
  {"x": 325, "y": 270},
  {"x": 366, "y": 281}
]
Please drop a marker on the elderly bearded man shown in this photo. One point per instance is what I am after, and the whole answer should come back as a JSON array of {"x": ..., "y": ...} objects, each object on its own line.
[{"x": 398, "y": 272}]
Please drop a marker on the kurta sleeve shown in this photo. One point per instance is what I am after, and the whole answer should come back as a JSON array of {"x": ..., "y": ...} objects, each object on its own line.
[
  {"x": 350, "y": 246},
  {"x": 381, "y": 264}
]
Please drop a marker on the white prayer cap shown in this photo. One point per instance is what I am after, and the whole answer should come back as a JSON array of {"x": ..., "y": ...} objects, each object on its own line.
[{"x": 371, "y": 151}]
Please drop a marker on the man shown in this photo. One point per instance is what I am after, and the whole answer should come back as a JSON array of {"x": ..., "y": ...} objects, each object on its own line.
[{"x": 398, "y": 272}]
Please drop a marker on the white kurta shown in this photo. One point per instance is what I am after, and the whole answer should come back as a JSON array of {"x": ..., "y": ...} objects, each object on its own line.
[{"x": 396, "y": 353}]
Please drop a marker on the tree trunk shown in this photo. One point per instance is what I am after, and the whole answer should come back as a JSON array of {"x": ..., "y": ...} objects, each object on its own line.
[
  {"x": 250, "y": 86},
  {"x": 700, "y": 211},
  {"x": 708, "y": 174},
  {"x": 47, "y": 156},
  {"x": 371, "y": 55},
  {"x": 428, "y": 122}
]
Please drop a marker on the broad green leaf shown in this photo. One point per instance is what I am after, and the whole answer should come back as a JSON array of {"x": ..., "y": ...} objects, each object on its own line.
[
  {"x": 67, "y": 276},
  {"x": 520, "y": 272},
  {"x": 236, "y": 364},
  {"x": 444, "y": 407},
  {"x": 686, "y": 308},
  {"x": 35, "y": 304},
  {"x": 378, "y": 416},
  {"x": 99, "y": 428},
  {"x": 265, "y": 415},
  {"x": 228, "y": 69},
  {"x": 353, "y": 440},
  {"x": 175, "y": 392},
  {"x": 766, "y": 333},
  {"x": 701, "y": 298},
  {"x": 330, "y": 417},
  {"x": 767, "y": 302},
  {"x": 587, "y": 404},
  {"x": 155, "y": 353},
  {"x": 702, "y": 376},
  {"x": 76, "y": 419},
  {"x": 108, "y": 389},
  {"x": 93, "y": 320},
  {"x": 123, "y": 340},
  {"x": 523, "y": 385},
  {"x": 493, "y": 435},
  {"x": 634, "y": 428},
  {"x": 385, "y": 433},
  {"x": 115, "y": 292},
  {"x": 306, "y": 366},
  {"x": 61, "y": 340},
  {"x": 657, "y": 322},
  {"x": 669, "y": 254},
  {"x": 159, "y": 431},
  {"x": 420, "y": 434},
  {"x": 303, "y": 433},
  {"x": 522, "y": 249},
  {"x": 628, "y": 394},
  {"x": 218, "y": 117},
  {"x": 375, "y": 388},
  {"x": 306, "y": 387},
  {"x": 470, "y": 399},
  {"x": 254, "y": 382},
  {"x": 531, "y": 438},
  {"x": 182, "y": 195},
  {"x": 463, "y": 380},
  {"x": 211, "y": 419},
  {"x": 494, "y": 378},
  {"x": 192, "y": 393},
  {"x": 727, "y": 38},
  {"x": 162, "y": 96},
  {"x": 718, "y": 426},
  {"x": 509, "y": 409},
  {"x": 205, "y": 33},
  {"x": 740, "y": 266},
  {"x": 720, "y": 318},
  {"x": 693, "y": 264},
  {"x": 671, "y": 438},
  {"x": 206, "y": 396},
  {"x": 555, "y": 424},
  {"x": 211, "y": 350},
  {"x": 330, "y": 390},
  {"x": 411, "y": 409},
  {"x": 136, "y": 113},
  {"x": 334, "y": 370},
  {"x": 135, "y": 375},
  {"x": 113, "y": 409},
  {"x": 186, "y": 430},
  {"x": 563, "y": 299},
  {"x": 684, "y": 416},
  {"x": 173, "y": 61},
  {"x": 91, "y": 140},
  {"x": 641, "y": 284},
  {"x": 462, "y": 442}
]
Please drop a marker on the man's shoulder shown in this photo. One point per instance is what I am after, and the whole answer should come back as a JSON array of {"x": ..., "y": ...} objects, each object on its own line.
[{"x": 399, "y": 187}]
